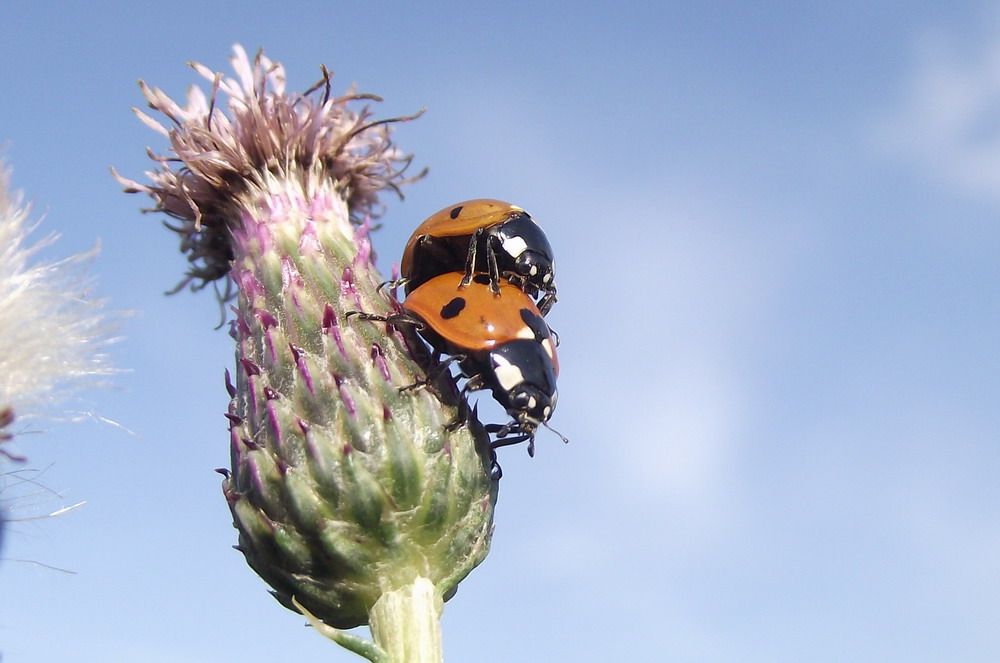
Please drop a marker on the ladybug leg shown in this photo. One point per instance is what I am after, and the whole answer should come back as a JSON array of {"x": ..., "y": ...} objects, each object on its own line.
[
  {"x": 470, "y": 261},
  {"x": 393, "y": 319},
  {"x": 462, "y": 418},
  {"x": 361, "y": 315},
  {"x": 455, "y": 425},
  {"x": 548, "y": 299},
  {"x": 502, "y": 430},
  {"x": 393, "y": 284},
  {"x": 496, "y": 472},
  {"x": 491, "y": 263},
  {"x": 436, "y": 372},
  {"x": 474, "y": 383},
  {"x": 555, "y": 336},
  {"x": 504, "y": 441}
]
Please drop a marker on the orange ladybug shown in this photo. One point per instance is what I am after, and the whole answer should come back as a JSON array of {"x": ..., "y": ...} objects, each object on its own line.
[
  {"x": 482, "y": 236},
  {"x": 500, "y": 343}
]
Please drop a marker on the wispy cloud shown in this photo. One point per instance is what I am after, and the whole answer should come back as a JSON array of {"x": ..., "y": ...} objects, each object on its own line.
[
  {"x": 663, "y": 394},
  {"x": 946, "y": 119}
]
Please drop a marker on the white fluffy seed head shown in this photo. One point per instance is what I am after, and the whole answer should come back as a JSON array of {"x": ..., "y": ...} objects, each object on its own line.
[{"x": 51, "y": 330}]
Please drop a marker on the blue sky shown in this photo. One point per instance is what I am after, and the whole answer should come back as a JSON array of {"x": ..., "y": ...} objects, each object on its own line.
[{"x": 776, "y": 229}]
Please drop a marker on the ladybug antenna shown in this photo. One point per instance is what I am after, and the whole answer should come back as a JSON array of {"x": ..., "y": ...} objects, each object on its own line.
[{"x": 561, "y": 436}]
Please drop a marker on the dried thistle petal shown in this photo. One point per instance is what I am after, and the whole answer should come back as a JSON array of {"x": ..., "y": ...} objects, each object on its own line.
[{"x": 268, "y": 139}]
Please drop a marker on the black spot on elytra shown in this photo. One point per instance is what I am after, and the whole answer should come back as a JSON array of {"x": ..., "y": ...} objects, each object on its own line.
[
  {"x": 453, "y": 308},
  {"x": 535, "y": 323},
  {"x": 455, "y": 211},
  {"x": 482, "y": 279}
]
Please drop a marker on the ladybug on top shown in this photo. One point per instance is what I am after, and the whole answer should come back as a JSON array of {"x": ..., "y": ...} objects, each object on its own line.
[{"x": 485, "y": 236}]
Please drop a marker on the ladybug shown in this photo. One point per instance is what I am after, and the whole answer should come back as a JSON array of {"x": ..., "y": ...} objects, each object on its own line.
[
  {"x": 502, "y": 345},
  {"x": 483, "y": 235}
]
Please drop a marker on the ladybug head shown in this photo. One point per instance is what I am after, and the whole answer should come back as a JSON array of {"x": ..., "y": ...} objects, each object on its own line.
[
  {"x": 529, "y": 258},
  {"x": 524, "y": 382},
  {"x": 530, "y": 406},
  {"x": 535, "y": 270}
]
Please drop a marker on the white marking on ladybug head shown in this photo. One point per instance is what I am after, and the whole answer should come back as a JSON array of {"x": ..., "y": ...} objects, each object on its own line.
[
  {"x": 532, "y": 403},
  {"x": 547, "y": 412},
  {"x": 547, "y": 344},
  {"x": 514, "y": 245},
  {"x": 508, "y": 375},
  {"x": 525, "y": 332}
]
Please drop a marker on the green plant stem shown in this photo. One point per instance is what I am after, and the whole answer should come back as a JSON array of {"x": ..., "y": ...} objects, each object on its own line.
[{"x": 406, "y": 623}]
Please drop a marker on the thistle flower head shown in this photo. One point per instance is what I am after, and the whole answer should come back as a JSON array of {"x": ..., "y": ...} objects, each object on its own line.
[
  {"x": 264, "y": 140},
  {"x": 345, "y": 488}
]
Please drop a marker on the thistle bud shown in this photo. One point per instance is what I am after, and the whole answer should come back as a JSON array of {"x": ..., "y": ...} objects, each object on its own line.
[{"x": 345, "y": 488}]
